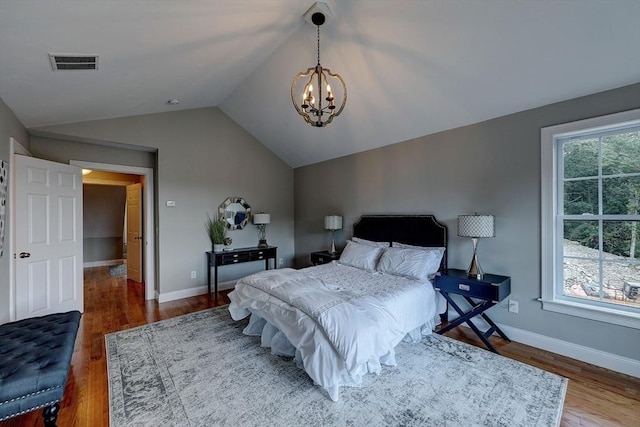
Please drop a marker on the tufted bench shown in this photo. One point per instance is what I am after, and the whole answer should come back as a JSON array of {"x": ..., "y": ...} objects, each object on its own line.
[{"x": 35, "y": 355}]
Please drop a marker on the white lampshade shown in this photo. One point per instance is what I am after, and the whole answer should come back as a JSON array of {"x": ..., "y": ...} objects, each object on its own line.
[
  {"x": 475, "y": 226},
  {"x": 333, "y": 222},
  {"x": 261, "y": 218}
]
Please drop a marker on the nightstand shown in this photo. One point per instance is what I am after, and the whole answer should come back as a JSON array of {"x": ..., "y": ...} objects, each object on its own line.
[
  {"x": 323, "y": 257},
  {"x": 489, "y": 291}
]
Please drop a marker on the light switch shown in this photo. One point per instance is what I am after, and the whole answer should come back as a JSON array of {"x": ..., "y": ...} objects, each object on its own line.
[{"x": 171, "y": 203}]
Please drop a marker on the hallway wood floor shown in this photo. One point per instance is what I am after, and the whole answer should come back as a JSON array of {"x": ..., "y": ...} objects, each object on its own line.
[{"x": 595, "y": 396}]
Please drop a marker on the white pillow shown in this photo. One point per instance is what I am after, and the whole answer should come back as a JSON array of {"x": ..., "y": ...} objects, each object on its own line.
[
  {"x": 414, "y": 263},
  {"x": 360, "y": 256},
  {"x": 371, "y": 242}
]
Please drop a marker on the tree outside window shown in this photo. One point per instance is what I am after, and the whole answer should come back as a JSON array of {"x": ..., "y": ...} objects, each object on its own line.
[{"x": 598, "y": 215}]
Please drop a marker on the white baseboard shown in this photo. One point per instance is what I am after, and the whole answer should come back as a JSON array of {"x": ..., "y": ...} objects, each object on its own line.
[
  {"x": 192, "y": 292},
  {"x": 596, "y": 357},
  {"x": 590, "y": 355},
  {"x": 104, "y": 263}
]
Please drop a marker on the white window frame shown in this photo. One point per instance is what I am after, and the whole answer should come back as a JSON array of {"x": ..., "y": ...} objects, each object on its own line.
[{"x": 551, "y": 251}]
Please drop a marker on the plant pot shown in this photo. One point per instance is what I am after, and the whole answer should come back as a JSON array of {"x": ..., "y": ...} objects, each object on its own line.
[{"x": 218, "y": 247}]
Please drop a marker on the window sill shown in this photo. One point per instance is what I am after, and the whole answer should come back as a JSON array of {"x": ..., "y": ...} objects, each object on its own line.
[{"x": 607, "y": 315}]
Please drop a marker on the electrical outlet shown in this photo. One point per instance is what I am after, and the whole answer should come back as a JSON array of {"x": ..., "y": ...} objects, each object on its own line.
[
  {"x": 193, "y": 274},
  {"x": 281, "y": 261},
  {"x": 513, "y": 306}
]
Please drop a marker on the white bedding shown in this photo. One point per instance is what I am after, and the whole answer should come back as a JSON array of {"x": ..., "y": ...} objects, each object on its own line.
[{"x": 339, "y": 322}]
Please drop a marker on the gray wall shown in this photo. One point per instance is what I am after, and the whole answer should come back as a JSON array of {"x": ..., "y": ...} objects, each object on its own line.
[
  {"x": 491, "y": 167},
  {"x": 10, "y": 126},
  {"x": 202, "y": 158},
  {"x": 103, "y": 221},
  {"x": 62, "y": 150}
]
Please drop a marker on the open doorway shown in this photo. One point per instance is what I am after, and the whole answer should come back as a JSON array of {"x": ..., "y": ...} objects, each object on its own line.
[
  {"x": 112, "y": 224},
  {"x": 107, "y": 184}
]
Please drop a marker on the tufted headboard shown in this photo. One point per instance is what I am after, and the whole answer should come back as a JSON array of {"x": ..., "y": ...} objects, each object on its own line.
[{"x": 418, "y": 230}]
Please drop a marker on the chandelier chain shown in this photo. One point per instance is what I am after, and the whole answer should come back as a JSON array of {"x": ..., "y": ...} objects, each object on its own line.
[{"x": 318, "y": 44}]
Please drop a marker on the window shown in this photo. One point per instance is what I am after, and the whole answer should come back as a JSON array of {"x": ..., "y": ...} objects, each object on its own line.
[{"x": 590, "y": 186}]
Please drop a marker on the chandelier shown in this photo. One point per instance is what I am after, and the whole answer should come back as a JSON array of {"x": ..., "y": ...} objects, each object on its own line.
[{"x": 317, "y": 97}]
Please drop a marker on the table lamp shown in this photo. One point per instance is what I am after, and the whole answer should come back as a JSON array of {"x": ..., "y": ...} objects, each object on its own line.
[
  {"x": 261, "y": 220},
  {"x": 475, "y": 226},
  {"x": 333, "y": 223}
]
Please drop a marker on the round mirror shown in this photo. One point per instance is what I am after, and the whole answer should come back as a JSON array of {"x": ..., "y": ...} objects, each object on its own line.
[{"x": 235, "y": 211}]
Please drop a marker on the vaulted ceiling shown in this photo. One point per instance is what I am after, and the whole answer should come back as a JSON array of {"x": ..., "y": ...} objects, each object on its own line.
[{"x": 412, "y": 67}]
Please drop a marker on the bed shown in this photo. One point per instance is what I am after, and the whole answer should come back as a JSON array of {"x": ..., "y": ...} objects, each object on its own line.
[{"x": 342, "y": 320}]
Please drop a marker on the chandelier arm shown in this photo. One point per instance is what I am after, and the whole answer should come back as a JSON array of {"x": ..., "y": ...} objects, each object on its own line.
[
  {"x": 294, "y": 84},
  {"x": 344, "y": 90}
]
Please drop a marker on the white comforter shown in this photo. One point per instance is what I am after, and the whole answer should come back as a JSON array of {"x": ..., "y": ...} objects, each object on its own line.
[{"x": 341, "y": 322}]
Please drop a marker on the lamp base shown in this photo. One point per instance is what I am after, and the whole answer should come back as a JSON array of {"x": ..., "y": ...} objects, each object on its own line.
[
  {"x": 474, "y": 271},
  {"x": 262, "y": 235},
  {"x": 332, "y": 250}
]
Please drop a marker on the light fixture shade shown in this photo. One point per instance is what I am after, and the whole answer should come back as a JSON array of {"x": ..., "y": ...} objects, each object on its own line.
[
  {"x": 476, "y": 226},
  {"x": 333, "y": 222},
  {"x": 261, "y": 218}
]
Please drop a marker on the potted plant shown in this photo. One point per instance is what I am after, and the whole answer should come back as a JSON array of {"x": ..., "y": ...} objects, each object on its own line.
[{"x": 217, "y": 231}]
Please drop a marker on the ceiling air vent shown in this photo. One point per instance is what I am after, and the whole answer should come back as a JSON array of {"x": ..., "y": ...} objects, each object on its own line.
[{"x": 73, "y": 62}]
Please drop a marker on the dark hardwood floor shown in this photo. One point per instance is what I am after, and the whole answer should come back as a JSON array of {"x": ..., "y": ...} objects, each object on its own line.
[{"x": 595, "y": 396}]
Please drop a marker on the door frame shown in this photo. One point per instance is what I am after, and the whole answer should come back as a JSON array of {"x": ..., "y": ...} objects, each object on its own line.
[{"x": 149, "y": 248}]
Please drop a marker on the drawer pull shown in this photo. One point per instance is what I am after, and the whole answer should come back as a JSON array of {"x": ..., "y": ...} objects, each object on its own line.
[
  {"x": 464, "y": 287},
  {"x": 260, "y": 253},
  {"x": 235, "y": 255},
  {"x": 235, "y": 260}
]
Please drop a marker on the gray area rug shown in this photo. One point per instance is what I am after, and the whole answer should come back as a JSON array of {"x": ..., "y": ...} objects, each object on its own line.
[{"x": 200, "y": 370}]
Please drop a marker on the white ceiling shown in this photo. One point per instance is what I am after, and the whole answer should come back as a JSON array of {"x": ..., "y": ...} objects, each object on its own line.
[{"x": 412, "y": 67}]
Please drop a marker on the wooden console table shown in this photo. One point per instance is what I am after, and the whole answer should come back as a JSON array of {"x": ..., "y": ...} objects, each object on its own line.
[{"x": 237, "y": 256}]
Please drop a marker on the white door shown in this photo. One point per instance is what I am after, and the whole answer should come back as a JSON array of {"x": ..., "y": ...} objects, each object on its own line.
[
  {"x": 134, "y": 232},
  {"x": 48, "y": 258}
]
